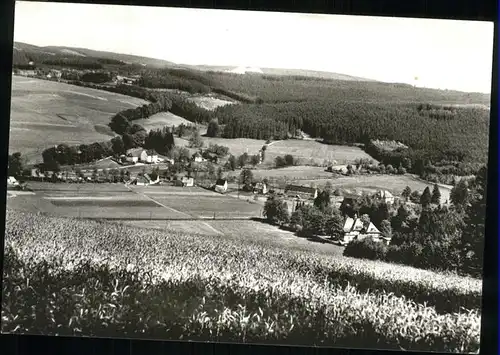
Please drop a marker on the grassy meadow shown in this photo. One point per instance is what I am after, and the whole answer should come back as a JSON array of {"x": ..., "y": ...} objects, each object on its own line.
[
  {"x": 44, "y": 113},
  {"x": 161, "y": 120},
  {"x": 310, "y": 152}
]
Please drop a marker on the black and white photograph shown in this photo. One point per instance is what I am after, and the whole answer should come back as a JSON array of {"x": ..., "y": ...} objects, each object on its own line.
[{"x": 247, "y": 177}]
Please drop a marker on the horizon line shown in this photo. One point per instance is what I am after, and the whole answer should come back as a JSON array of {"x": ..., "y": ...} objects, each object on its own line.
[{"x": 244, "y": 66}]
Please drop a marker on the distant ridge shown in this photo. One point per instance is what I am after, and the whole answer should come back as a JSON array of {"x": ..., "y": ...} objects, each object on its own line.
[{"x": 24, "y": 52}]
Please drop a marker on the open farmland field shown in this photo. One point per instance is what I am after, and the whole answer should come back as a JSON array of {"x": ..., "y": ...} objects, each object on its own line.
[
  {"x": 188, "y": 227},
  {"x": 313, "y": 152},
  {"x": 161, "y": 120},
  {"x": 237, "y": 146},
  {"x": 290, "y": 173},
  {"x": 44, "y": 113},
  {"x": 207, "y": 206},
  {"x": 113, "y": 201},
  {"x": 262, "y": 294},
  {"x": 210, "y": 103},
  {"x": 266, "y": 234}
]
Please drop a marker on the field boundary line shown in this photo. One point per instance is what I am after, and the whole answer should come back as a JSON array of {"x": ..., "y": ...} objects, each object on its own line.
[{"x": 159, "y": 203}]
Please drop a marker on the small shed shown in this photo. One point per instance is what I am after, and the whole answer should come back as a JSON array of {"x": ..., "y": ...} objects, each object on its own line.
[
  {"x": 187, "y": 182},
  {"x": 221, "y": 185}
]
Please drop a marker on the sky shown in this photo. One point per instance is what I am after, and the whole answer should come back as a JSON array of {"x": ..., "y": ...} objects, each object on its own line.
[{"x": 441, "y": 54}]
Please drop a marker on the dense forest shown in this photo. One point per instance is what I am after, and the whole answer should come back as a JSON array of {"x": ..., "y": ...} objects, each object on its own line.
[{"x": 436, "y": 136}]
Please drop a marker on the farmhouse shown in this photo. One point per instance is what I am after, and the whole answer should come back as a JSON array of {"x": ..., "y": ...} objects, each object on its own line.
[
  {"x": 260, "y": 188},
  {"x": 144, "y": 180},
  {"x": 141, "y": 155},
  {"x": 197, "y": 158},
  {"x": 385, "y": 196},
  {"x": 221, "y": 185},
  {"x": 11, "y": 182},
  {"x": 303, "y": 192},
  {"x": 354, "y": 228},
  {"x": 187, "y": 182},
  {"x": 125, "y": 80},
  {"x": 212, "y": 157},
  {"x": 27, "y": 72}
]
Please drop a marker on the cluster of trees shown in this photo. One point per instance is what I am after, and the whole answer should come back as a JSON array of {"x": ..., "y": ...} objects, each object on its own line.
[
  {"x": 437, "y": 237},
  {"x": 430, "y": 165},
  {"x": 96, "y": 77},
  {"x": 283, "y": 161},
  {"x": 167, "y": 81},
  {"x": 16, "y": 164},
  {"x": 184, "y": 130},
  {"x": 255, "y": 128},
  {"x": 75, "y": 63},
  {"x": 219, "y": 150},
  {"x": 64, "y": 154},
  {"x": 243, "y": 160},
  {"x": 160, "y": 140},
  {"x": 176, "y": 79},
  {"x": 321, "y": 218},
  {"x": 121, "y": 122},
  {"x": 213, "y": 129},
  {"x": 189, "y": 110}
]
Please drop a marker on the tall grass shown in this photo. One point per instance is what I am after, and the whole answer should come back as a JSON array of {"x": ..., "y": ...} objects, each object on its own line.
[{"x": 104, "y": 279}]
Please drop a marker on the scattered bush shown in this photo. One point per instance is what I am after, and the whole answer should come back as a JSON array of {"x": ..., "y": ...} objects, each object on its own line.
[{"x": 366, "y": 248}]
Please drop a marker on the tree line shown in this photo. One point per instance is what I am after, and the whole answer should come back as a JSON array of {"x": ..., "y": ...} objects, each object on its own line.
[
  {"x": 434, "y": 236},
  {"x": 431, "y": 140}
]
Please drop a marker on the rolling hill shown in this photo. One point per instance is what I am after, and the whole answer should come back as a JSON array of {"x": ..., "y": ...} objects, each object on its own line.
[{"x": 24, "y": 52}]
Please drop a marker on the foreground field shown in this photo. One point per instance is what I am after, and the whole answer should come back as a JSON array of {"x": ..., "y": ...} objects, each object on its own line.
[
  {"x": 117, "y": 201},
  {"x": 103, "y": 279},
  {"x": 44, "y": 113}
]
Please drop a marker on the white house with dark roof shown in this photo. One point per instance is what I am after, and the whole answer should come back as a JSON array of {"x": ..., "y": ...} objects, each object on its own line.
[
  {"x": 385, "y": 196},
  {"x": 354, "y": 228},
  {"x": 221, "y": 185},
  {"x": 187, "y": 181},
  {"x": 136, "y": 155}
]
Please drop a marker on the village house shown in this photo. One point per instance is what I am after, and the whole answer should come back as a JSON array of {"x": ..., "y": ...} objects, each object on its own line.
[
  {"x": 260, "y": 188},
  {"x": 144, "y": 180},
  {"x": 211, "y": 157},
  {"x": 355, "y": 229},
  {"x": 302, "y": 192},
  {"x": 12, "y": 182},
  {"x": 56, "y": 74},
  {"x": 187, "y": 181},
  {"x": 385, "y": 196},
  {"x": 27, "y": 72},
  {"x": 125, "y": 80},
  {"x": 261, "y": 156},
  {"x": 136, "y": 155},
  {"x": 221, "y": 185},
  {"x": 197, "y": 157}
]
